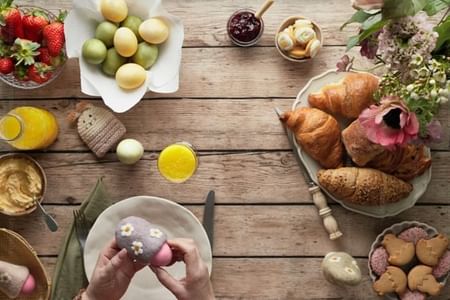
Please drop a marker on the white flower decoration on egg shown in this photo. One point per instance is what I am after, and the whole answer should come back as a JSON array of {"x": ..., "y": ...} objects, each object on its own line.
[
  {"x": 126, "y": 230},
  {"x": 156, "y": 233},
  {"x": 137, "y": 247},
  {"x": 5, "y": 277}
]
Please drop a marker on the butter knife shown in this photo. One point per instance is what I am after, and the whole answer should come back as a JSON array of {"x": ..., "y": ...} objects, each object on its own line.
[
  {"x": 329, "y": 222},
  {"x": 208, "y": 217}
]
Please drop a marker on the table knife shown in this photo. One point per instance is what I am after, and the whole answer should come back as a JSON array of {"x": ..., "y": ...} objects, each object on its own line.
[
  {"x": 208, "y": 217},
  {"x": 329, "y": 222}
]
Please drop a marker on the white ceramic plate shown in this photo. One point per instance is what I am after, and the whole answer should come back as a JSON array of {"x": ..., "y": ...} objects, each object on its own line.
[
  {"x": 419, "y": 183},
  {"x": 174, "y": 219}
]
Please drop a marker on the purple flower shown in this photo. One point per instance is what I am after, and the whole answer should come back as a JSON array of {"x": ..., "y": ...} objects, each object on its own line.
[
  {"x": 344, "y": 64},
  {"x": 433, "y": 132},
  {"x": 369, "y": 46}
]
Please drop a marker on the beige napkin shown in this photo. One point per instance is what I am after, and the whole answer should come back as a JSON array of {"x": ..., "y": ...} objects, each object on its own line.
[{"x": 69, "y": 275}]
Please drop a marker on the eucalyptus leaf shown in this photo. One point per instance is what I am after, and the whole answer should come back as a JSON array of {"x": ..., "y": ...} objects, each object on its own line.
[
  {"x": 444, "y": 34},
  {"x": 371, "y": 21},
  {"x": 393, "y": 9},
  {"x": 352, "y": 42},
  {"x": 358, "y": 17},
  {"x": 435, "y": 6}
]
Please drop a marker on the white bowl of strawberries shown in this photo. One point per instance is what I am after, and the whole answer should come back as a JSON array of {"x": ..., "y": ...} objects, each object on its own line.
[{"x": 32, "y": 45}]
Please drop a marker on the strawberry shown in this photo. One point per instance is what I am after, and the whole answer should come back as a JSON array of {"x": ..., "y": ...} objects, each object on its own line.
[
  {"x": 11, "y": 21},
  {"x": 53, "y": 35},
  {"x": 44, "y": 56},
  {"x": 6, "y": 65},
  {"x": 24, "y": 51},
  {"x": 33, "y": 24},
  {"x": 40, "y": 72}
]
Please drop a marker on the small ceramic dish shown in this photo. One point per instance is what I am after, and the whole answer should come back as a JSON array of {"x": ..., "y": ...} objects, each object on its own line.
[
  {"x": 44, "y": 183},
  {"x": 396, "y": 229},
  {"x": 16, "y": 250},
  {"x": 11, "y": 80},
  {"x": 290, "y": 21}
]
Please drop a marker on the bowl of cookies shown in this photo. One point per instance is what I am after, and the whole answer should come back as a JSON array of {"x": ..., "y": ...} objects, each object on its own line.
[
  {"x": 298, "y": 39},
  {"x": 409, "y": 260}
]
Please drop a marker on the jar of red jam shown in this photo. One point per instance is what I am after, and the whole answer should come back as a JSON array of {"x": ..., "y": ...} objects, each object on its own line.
[{"x": 244, "y": 29}]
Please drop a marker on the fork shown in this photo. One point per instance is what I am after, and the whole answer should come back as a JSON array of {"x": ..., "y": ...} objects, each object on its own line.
[{"x": 81, "y": 228}]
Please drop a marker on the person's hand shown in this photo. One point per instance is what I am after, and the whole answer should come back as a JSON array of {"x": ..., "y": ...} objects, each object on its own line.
[
  {"x": 196, "y": 285},
  {"x": 112, "y": 274}
]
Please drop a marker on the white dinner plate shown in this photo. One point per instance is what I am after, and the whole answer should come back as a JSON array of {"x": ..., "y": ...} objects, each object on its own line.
[
  {"x": 174, "y": 219},
  {"x": 419, "y": 183}
]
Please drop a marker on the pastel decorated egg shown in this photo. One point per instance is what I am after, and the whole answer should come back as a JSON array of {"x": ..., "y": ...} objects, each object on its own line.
[
  {"x": 144, "y": 241},
  {"x": 154, "y": 31},
  {"x": 130, "y": 76},
  {"x": 340, "y": 268},
  {"x": 125, "y": 42}
]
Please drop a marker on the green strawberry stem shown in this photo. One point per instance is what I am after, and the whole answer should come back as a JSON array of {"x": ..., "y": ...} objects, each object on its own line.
[
  {"x": 62, "y": 16},
  {"x": 24, "y": 51}
]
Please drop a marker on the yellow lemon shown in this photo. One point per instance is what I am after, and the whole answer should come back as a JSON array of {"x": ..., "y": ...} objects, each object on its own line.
[
  {"x": 114, "y": 10},
  {"x": 154, "y": 31},
  {"x": 130, "y": 76},
  {"x": 125, "y": 42}
]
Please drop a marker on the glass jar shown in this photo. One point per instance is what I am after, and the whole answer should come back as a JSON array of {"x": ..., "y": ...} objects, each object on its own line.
[
  {"x": 244, "y": 29},
  {"x": 28, "y": 128},
  {"x": 178, "y": 162}
]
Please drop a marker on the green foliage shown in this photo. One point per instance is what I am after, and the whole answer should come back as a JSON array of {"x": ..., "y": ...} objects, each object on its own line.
[
  {"x": 435, "y": 6},
  {"x": 443, "y": 41},
  {"x": 393, "y": 9}
]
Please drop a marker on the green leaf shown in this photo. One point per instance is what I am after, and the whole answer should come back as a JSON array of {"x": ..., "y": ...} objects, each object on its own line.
[
  {"x": 374, "y": 28},
  {"x": 371, "y": 21},
  {"x": 358, "y": 17},
  {"x": 435, "y": 6},
  {"x": 393, "y": 9},
  {"x": 444, "y": 34},
  {"x": 352, "y": 42}
]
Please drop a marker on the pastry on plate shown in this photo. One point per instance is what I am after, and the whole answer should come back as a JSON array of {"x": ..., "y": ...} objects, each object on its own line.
[
  {"x": 347, "y": 98},
  {"x": 421, "y": 279},
  {"x": 363, "y": 186},
  {"x": 430, "y": 251},
  {"x": 404, "y": 162},
  {"x": 400, "y": 252},
  {"x": 318, "y": 134},
  {"x": 393, "y": 280}
]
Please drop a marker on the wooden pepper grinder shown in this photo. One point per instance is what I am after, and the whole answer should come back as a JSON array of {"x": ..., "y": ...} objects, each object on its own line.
[{"x": 329, "y": 222}]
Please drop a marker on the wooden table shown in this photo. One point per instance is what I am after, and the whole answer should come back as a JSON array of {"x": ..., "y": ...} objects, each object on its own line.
[{"x": 269, "y": 240}]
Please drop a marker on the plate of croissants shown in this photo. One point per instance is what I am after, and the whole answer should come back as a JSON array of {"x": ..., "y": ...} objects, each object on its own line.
[{"x": 362, "y": 176}]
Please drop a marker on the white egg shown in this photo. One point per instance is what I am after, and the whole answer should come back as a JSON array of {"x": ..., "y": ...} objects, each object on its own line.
[
  {"x": 313, "y": 47},
  {"x": 304, "y": 34},
  {"x": 285, "y": 41},
  {"x": 129, "y": 151}
]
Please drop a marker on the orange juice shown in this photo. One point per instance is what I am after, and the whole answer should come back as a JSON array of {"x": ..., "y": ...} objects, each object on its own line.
[
  {"x": 29, "y": 128},
  {"x": 178, "y": 162}
]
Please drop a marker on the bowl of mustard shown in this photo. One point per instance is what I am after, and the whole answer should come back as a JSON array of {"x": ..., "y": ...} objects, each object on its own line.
[{"x": 22, "y": 183}]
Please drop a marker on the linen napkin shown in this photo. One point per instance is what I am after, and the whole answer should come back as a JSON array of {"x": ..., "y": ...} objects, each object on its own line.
[{"x": 69, "y": 275}]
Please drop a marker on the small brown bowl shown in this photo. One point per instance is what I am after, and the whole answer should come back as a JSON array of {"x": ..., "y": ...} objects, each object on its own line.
[
  {"x": 44, "y": 183},
  {"x": 286, "y": 23}
]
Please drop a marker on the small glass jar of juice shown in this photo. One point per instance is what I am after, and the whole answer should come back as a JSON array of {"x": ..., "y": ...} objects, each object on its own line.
[
  {"x": 178, "y": 162},
  {"x": 28, "y": 128}
]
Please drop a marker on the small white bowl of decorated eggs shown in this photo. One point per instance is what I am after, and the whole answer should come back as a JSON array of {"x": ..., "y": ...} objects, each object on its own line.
[
  {"x": 125, "y": 48},
  {"x": 298, "y": 39}
]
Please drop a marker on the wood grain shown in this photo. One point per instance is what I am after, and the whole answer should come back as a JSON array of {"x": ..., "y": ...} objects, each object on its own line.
[
  {"x": 296, "y": 278},
  {"x": 205, "y": 20},
  {"x": 219, "y": 124},
  {"x": 249, "y": 230},
  {"x": 247, "y": 177},
  {"x": 213, "y": 73}
]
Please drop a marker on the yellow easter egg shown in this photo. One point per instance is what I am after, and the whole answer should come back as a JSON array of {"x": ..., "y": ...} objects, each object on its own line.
[
  {"x": 154, "y": 31},
  {"x": 130, "y": 76},
  {"x": 114, "y": 10},
  {"x": 125, "y": 42}
]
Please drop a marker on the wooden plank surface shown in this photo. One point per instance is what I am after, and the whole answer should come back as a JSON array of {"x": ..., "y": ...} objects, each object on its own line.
[
  {"x": 250, "y": 230},
  {"x": 296, "y": 278},
  {"x": 216, "y": 124},
  {"x": 237, "y": 177}
]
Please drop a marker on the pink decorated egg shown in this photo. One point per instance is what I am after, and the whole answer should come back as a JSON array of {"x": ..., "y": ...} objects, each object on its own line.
[{"x": 28, "y": 286}]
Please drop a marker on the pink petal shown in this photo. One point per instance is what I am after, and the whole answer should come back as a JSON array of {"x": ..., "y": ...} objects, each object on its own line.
[{"x": 403, "y": 119}]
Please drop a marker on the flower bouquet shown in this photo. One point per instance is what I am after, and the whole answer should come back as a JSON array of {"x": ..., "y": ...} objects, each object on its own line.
[{"x": 400, "y": 36}]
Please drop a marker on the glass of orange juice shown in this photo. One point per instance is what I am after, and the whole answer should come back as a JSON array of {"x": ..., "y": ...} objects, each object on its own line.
[
  {"x": 28, "y": 128},
  {"x": 178, "y": 162}
]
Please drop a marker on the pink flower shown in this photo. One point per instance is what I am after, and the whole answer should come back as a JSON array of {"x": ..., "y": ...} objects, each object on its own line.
[
  {"x": 390, "y": 123},
  {"x": 367, "y": 4}
]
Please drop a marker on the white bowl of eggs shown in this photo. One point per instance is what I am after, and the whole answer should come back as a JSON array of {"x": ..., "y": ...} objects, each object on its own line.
[
  {"x": 125, "y": 48},
  {"x": 298, "y": 39}
]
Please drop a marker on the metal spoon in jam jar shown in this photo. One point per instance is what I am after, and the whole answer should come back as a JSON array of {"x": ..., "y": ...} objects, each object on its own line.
[{"x": 245, "y": 27}]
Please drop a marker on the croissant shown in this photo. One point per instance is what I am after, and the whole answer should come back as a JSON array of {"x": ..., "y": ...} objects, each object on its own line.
[
  {"x": 318, "y": 134},
  {"x": 404, "y": 162},
  {"x": 347, "y": 98},
  {"x": 363, "y": 186}
]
